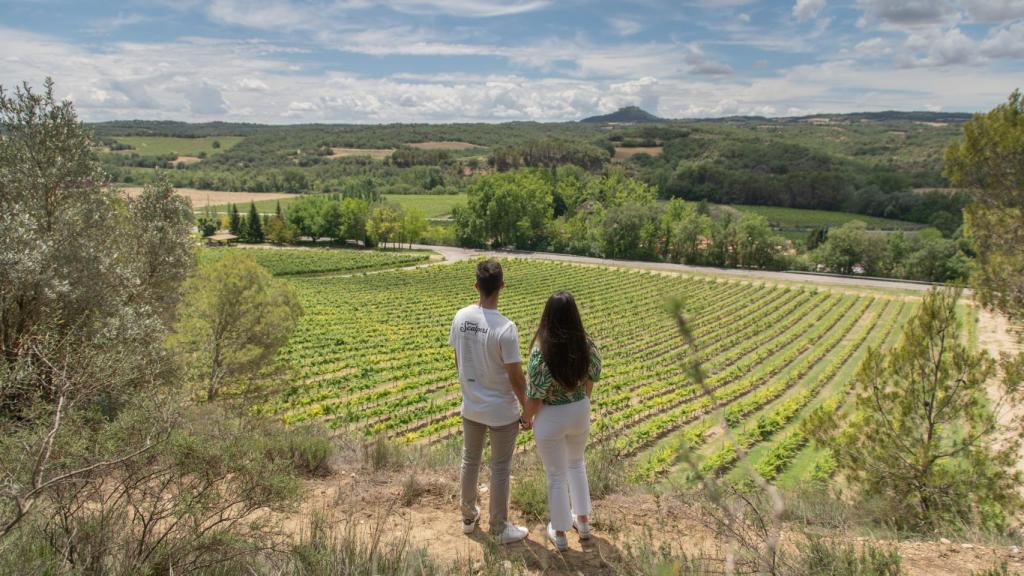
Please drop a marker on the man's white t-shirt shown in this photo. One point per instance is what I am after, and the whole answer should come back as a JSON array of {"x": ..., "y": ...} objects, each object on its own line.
[{"x": 484, "y": 341}]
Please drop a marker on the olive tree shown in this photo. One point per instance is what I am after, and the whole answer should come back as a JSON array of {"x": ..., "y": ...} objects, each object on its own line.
[{"x": 88, "y": 281}]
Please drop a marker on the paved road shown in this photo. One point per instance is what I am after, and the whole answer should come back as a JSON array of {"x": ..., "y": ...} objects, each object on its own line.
[{"x": 453, "y": 254}]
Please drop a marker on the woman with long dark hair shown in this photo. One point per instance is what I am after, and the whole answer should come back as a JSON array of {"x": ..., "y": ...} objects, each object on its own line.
[{"x": 562, "y": 369}]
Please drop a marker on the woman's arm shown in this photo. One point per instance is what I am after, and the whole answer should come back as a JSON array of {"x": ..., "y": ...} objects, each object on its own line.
[
  {"x": 590, "y": 387},
  {"x": 532, "y": 406}
]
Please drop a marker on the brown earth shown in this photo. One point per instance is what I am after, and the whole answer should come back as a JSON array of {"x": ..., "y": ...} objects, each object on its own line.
[
  {"x": 377, "y": 153},
  {"x": 427, "y": 517},
  {"x": 186, "y": 160},
  {"x": 622, "y": 153},
  {"x": 202, "y": 198},
  {"x": 997, "y": 337},
  {"x": 445, "y": 145}
]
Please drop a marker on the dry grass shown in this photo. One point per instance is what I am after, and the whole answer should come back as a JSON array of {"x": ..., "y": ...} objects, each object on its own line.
[
  {"x": 202, "y": 198},
  {"x": 377, "y": 153},
  {"x": 187, "y": 160},
  {"x": 446, "y": 145},
  {"x": 622, "y": 153}
]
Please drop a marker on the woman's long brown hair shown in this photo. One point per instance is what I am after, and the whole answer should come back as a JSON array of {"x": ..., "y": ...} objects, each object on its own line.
[{"x": 563, "y": 342}]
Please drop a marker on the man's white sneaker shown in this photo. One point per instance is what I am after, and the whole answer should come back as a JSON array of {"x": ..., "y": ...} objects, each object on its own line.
[
  {"x": 582, "y": 528},
  {"x": 468, "y": 526},
  {"x": 560, "y": 542},
  {"x": 512, "y": 533}
]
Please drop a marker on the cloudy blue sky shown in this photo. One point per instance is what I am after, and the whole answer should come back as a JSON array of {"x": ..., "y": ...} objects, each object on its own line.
[{"x": 289, "y": 61}]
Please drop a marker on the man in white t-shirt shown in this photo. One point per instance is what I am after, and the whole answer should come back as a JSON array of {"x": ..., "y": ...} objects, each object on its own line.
[{"x": 493, "y": 391}]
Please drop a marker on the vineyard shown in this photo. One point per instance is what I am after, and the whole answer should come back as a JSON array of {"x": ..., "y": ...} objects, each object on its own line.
[
  {"x": 371, "y": 355},
  {"x": 285, "y": 262}
]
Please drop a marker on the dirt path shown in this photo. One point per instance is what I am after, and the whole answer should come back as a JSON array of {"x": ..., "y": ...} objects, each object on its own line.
[{"x": 453, "y": 254}]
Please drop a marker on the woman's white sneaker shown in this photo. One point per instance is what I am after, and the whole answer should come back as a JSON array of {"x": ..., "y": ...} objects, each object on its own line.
[
  {"x": 468, "y": 526},
  {"x": 560, "y": 542},
  {"x": 582, "y": 528},
  {"x": 512, "y": 533}
]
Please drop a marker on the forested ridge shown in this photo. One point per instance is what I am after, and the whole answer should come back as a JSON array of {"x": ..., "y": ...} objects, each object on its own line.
[{"x": 573, "y": 187}]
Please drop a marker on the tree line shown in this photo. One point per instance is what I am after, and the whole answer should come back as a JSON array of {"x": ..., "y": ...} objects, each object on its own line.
[
  {"x": 332, "y": 216},
  {"x": 566, "y": 209}
]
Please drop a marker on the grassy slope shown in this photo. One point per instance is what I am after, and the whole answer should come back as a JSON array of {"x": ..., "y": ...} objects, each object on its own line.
[
  {"x": 795, "y": 218},
  {"x": 163, "y": 145},
  {"x": 434, "y": 206}
]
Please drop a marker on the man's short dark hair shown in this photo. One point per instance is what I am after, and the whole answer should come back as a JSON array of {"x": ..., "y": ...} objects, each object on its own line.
[{"x": 489, "y": 277}]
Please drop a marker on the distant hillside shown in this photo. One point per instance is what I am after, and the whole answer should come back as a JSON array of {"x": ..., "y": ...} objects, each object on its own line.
[
  {"x": 629, "y": 114},
  {"x": 173, "y": 128}
]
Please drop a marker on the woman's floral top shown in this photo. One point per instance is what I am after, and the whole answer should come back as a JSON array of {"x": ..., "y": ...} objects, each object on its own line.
[{"x": 542, "y": 387}]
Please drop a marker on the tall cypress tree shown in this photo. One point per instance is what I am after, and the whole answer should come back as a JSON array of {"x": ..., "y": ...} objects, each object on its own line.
[
  {"x": 235, "y": 223},
  {"x": 254, "y": 230}
]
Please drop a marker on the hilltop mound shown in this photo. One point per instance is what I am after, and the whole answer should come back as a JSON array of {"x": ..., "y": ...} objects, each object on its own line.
[{"x": 630, "y": 114}]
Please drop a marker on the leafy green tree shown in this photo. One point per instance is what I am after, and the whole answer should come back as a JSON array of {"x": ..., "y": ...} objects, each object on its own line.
[
  {"x": 414, "y": 224},
  {"x": 617, "y": 189},
  {"x": 385, "y": 224},
  {"x": 691, "y": 235},
  {"x": 253, "y": 231},
  {"x": 989, "y": 162},
  {"x": 508, "y": 209},
  {"x": 753, "y": 244},
  {"x": 354, "y": 214},
  {"x": 331, "y": 220},
  {"x": 850, "y": 246},
  {"x": 232, "y": 320},
  {"x": 923, "y": 438},
  {"x": 307, "y": 215},
  {"x": 631, "y": 231},
  {"x": 280, "y": 231}
]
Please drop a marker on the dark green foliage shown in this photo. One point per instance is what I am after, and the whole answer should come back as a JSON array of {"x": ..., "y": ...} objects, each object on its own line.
[
  {"x": 253, "y": 232},
  {"x": 924, "y": 255},
  {"x": 235, "y": 221},
  {"x": 548, "y": 153}
]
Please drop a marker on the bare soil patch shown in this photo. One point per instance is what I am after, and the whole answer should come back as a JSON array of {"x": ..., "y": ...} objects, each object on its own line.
[
  {"x": 202, "y": 198},
  {"x": 996, "y": 336},
  {"x": 377, "y": 153},
  {"x": 186, "y": 160},
  {"x": 428, "y": 517},
  {"x": 622, "y": 153},
  {"x": 443, "y": 145}
]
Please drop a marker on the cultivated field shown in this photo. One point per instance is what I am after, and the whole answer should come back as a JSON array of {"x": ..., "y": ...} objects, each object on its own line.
[
  {"x": 289, "y": 261},
  {"x": 371, "y": 355},
  {"x": 798, "y": 219},
  {"x": 377, "y": 153},
  {"x": 625, "y": 152},
  {"x": 433, "y": 205},
  {"x": 217, "y": 199},
  {"x": 166, "y": 145}
]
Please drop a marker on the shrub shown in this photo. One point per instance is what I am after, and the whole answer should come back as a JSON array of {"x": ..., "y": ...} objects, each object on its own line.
[{"x": 530, "y": 491}]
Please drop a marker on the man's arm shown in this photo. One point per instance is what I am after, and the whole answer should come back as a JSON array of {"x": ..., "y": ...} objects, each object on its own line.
[{"x": 518, "y": 381}]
